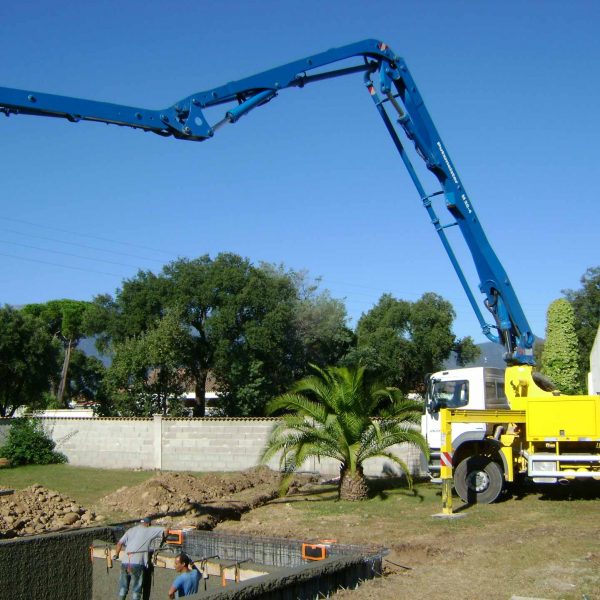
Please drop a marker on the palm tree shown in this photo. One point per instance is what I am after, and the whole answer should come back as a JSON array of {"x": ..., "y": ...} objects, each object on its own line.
[{"x": 335, "y": 414}]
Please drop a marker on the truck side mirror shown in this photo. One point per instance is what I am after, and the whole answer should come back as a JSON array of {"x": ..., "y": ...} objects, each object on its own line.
[{"x": 434, "y": 405}]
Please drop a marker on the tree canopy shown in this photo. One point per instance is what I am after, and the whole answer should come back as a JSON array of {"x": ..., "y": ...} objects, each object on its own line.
[
  {"x": 253, "y": 329},
  {"x": 238, "y": 320},
  {"x": 28, "y": 359},
  {"x": 399, "y": 341},
  {"x": 146, "y": 375},
  {"x": 586, "y": 308},
  {"x": 67, "y": 321}
]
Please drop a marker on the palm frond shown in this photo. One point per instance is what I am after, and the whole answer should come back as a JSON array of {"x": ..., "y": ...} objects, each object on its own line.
[
  {"x": 334, "y": 414},
  {"x": 298, "y": 403}
]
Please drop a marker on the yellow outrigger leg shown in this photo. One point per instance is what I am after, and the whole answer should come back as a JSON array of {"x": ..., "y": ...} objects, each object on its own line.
[{"x": 446, "y": 461}]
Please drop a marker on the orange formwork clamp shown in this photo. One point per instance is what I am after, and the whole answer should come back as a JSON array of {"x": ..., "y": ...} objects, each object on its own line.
[
  {"x": 314, "y": 551},
  {"x": 175, "y": 537}
]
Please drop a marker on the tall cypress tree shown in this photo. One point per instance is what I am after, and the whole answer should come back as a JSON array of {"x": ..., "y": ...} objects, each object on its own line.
[{"x": 560, "y": 357}]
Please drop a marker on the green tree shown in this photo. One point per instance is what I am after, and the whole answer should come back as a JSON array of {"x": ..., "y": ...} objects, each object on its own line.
[
  {"x": 399, "y": 342},
  {"x": 336, "y": 414},
  {"x": 240, "y": 321},
  {"x": 86, "y": 378},
  {"x": 67, "y": 321},
  {"x": 383, "y": 343},
  {"x": 466, "y": 351},
  {"x": 560, "y": 356},
  {"x": 258, "y": 351},
  {"x": 146, "y": 375},
  {"x": 321, "y": 321},
  {"x": 586, "y": 306},
  {"x": 324, "y": 334},
  {"x": 28, "y": 359}
]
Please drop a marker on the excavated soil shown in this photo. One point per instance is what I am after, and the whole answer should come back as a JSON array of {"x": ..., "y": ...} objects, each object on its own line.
[
  {"x": 180, "y": 499},
  {"x": 37, "y": 509},
  {"x": 173, "y": 499}
]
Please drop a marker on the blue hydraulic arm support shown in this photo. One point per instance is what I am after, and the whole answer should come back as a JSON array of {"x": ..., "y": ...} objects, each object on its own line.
[{"x": 391, "y": 86}]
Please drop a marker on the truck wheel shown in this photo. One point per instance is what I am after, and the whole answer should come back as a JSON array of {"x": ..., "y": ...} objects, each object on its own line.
[{"x": 478, "y": 480}]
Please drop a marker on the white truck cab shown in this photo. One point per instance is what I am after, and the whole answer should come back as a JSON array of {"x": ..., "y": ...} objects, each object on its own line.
[{"x": 476, "y": 388}]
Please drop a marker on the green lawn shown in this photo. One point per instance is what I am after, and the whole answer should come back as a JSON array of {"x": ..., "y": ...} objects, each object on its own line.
[{"x": 85, "y": 485}]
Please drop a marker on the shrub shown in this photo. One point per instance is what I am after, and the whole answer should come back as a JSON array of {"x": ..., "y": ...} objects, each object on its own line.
[{"x": 28, "y": 444}]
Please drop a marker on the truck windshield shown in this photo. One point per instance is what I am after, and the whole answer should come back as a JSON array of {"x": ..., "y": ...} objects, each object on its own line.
[{"x": 451, "y": 394}]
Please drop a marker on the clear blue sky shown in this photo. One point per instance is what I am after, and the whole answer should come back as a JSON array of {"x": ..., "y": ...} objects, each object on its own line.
[{"x": 312, "y": 180}]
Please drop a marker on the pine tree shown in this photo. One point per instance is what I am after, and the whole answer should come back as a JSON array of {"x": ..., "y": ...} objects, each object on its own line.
[{"x": 560, "y": 357}]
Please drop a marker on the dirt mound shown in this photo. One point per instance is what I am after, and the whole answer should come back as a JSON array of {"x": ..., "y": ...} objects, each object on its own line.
[
  {"x": 175, "y": 499},
  {"x": 181, "y": 499},
  {"x": 178, "y": 493},
  {"x": 37, "y": 509}
]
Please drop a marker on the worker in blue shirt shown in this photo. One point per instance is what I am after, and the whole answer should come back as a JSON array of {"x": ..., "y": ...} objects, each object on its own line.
[{"x": 186, "y": 583}]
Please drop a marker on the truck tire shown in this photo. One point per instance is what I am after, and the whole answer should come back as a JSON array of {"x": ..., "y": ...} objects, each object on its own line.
[{"x": 478, "y": 480}]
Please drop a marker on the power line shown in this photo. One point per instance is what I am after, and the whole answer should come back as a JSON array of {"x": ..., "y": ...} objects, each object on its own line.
[
  {"x": 45, "y": 262},
  {"x": 110, "y": 262},
  {"x": 87, "y": 247},
  {"x": 86, "y": 235}
]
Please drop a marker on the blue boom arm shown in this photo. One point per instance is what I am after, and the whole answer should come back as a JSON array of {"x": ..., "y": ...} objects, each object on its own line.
[{"x": 393, "y": 90}]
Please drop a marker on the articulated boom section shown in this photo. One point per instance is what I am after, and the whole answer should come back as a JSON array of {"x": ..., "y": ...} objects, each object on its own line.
[{"x": 395, "y": 88}]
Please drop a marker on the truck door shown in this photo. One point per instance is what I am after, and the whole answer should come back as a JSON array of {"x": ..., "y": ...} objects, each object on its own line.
[{"x": 452, "y": 393}]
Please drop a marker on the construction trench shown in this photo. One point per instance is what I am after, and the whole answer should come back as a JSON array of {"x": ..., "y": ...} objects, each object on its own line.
[{"x": 78, "y": 565}]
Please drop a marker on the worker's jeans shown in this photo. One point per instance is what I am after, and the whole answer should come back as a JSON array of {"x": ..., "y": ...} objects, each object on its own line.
[{"x": 131, "y": 575}]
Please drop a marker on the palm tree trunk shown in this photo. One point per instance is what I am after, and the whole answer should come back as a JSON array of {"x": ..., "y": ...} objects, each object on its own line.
[{"x": 353, "y": 486}]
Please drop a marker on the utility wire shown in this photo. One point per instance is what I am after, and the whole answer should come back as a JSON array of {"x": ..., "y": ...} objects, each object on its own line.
[
  {"x": 87, "y": 247},
  {"x": 45, "y": 262},
  {"x": 110, "y": 262},
  {"x": 86, "y": 235}
]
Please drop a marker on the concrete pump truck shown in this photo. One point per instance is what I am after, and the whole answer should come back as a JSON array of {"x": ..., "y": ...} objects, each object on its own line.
[{"x": 486, "y": 426}]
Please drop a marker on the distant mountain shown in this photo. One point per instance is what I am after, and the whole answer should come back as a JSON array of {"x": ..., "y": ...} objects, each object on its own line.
[{"x": 491, "y": 355}]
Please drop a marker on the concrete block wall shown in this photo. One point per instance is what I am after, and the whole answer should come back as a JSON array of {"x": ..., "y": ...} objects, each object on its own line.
[
  {"x": 214, "y": 444},
  {"x": 105, "y": 443},
  {"x": 185, "y": 444}
]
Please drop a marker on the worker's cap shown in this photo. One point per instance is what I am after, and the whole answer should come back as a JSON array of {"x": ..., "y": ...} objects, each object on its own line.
[{"x": 146, "y": 520}]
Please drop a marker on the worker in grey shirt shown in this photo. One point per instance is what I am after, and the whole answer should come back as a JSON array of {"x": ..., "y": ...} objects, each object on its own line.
[{"x": 137, "y": 542}]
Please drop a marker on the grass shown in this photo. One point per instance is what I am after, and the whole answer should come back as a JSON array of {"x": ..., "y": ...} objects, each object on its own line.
[{"x": 85, "y": 485}]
